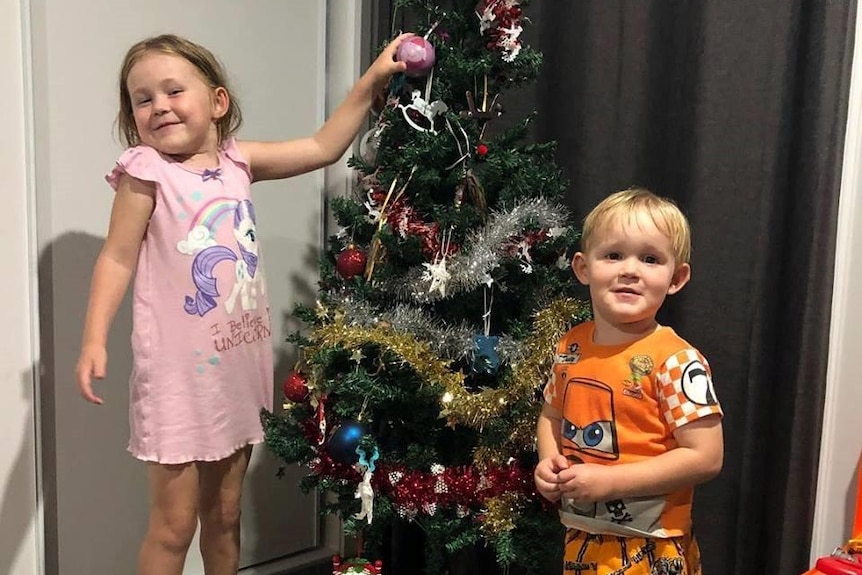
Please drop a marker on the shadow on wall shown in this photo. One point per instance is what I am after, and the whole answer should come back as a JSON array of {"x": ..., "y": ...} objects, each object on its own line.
[
  {"x": 16, "y": 516},
  {"x": 93, "y": 490},
  {"x": 303, "y": 288}
]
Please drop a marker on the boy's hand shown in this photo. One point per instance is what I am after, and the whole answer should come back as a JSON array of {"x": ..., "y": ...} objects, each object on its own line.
[
  {"x": 546, "y": 474},
  {"x": 92, "y": 363},
  {"x": 587, "y": 482}
]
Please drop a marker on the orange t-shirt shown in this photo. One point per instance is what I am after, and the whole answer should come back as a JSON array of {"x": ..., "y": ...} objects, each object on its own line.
[{"x": 621, "y": 404}]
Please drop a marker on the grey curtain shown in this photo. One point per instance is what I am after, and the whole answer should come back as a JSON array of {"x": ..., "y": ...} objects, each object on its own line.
[{"x": 737, "y": 111}]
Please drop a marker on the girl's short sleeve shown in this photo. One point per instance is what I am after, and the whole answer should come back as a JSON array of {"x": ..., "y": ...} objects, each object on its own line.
[
  {"x": 231, "y": 150},
  {"x": 140, "y": 162}
]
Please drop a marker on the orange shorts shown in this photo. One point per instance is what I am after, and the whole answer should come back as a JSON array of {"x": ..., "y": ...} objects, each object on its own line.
[{"x": 588, "y": 554}]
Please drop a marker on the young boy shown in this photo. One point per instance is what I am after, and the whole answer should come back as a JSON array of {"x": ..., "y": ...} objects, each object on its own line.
[{"x": 630, "y": 422}]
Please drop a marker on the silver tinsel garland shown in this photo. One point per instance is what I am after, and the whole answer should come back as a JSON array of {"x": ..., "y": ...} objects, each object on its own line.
[
  {"x": 482, "y": 252},
  {"x": 448, "y": 342}
]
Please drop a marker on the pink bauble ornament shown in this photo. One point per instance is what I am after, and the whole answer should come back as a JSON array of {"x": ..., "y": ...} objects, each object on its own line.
[
  {"x": 351, "y": 262},
  {"x": 419, "y": 55}
]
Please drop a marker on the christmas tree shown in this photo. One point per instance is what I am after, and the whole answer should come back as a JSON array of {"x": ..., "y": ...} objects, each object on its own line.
[{"x": 441, "y": 300}]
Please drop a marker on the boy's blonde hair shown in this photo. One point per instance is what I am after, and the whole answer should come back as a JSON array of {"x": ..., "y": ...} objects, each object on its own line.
[
  {"x": 206, "y": 63},
  {"x": 626, "y": 205}
]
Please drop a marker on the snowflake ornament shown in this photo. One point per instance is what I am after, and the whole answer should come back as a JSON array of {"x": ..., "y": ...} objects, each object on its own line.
[{"x": 437, "y": 274}]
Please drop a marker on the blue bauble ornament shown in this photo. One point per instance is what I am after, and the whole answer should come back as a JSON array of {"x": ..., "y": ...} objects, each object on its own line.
[
  {"x": 344, "y": 440},
  {"x": 485, "y": 357}
]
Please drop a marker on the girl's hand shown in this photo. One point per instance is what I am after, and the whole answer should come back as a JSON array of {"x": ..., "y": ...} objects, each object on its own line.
[
  {"x": 385, "y": 65},
  {"x": 92, "y": 363}
]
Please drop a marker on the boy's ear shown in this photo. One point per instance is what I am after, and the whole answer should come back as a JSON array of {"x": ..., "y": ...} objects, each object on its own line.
[
  {"x": 220, "y": 102},
  {"x": 579, "y": 266},
  {"x": 679, "y": 279}
]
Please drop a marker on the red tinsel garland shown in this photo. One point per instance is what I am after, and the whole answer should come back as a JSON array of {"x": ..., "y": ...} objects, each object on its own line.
[{"x": 463, "y": 488}]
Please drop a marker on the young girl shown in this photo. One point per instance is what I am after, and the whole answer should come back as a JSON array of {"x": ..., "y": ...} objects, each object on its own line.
[{"x": 182, "y": 221}]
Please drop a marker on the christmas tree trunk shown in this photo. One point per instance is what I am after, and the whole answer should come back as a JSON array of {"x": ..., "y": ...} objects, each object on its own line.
[{"x": 441, "y": 299}]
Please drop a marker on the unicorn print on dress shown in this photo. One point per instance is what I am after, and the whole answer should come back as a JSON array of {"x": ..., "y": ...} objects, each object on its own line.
[{"x": 247, "y": 281}]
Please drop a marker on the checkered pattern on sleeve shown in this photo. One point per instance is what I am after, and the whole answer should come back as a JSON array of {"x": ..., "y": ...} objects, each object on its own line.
[
  {"x": 550, "y": 392},
  {"x": 675, "y": 406}
]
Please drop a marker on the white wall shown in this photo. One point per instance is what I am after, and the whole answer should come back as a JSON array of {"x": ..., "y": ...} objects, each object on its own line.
[
  {"x": 841, "y": 444},
  {"x": 19, "y": 518},
  {"x": 95, "y": 496}
]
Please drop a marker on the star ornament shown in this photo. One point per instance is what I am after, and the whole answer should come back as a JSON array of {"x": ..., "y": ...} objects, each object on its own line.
[
  {"x": 438, "y": 275},
  {"x": 321, "y": 311}
]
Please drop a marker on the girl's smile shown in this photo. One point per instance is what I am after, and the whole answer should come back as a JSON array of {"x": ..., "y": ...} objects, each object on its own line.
[{"x": 175, "y": 109}]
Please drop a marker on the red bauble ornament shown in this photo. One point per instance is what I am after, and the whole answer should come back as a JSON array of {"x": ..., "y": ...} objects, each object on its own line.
[
  {"x": 351, "y": 262},
  {"x": 295, "y": 387},
  {"x": 419, "y": 55},
  {"x": 482, "y": 150}
]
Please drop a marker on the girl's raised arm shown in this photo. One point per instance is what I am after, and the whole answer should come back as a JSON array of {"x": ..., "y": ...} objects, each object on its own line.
[{"x": 276, "y": 160}]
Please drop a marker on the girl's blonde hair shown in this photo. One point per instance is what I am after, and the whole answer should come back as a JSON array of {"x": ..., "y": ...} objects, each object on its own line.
[
  {"x": 206, "y": 63},
  {"x": 627, "y": 205}
]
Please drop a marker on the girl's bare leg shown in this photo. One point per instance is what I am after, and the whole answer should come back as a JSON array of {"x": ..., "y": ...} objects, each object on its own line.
[
  {"x": 172, "y": 520},
  {"x": 220, "y": 498}
]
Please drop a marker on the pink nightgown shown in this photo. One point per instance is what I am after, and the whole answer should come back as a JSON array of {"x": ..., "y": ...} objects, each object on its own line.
[{"x": 201, "y": 336}]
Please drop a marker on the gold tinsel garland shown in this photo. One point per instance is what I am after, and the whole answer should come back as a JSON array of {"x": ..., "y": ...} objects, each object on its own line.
[
  {"x": 530, "y": 374},
  {"x": 460, "y": 406},
  {"x": 501, "y": 512},
  {"x": 418, "y": 355},
  {"x": 477, "y": 409}
]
